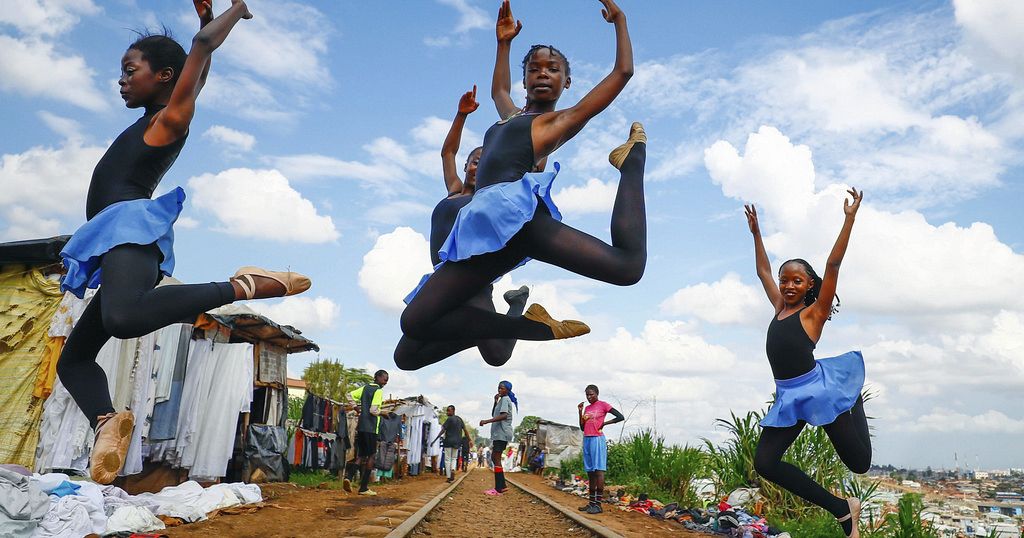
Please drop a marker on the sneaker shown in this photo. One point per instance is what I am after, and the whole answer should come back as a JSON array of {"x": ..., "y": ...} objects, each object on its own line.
[
  {"x": 594, "y": 509},
  {"x": 493, "y": 492},
  {"x": 368, "y": 492},
  {"x": 347, "y": 485},
  {"x": 450, "y": 480},
  {"x": 584, "y": 508}
]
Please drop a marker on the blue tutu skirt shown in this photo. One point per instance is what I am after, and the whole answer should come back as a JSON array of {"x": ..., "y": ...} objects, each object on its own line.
[
  {"x": 819, "y": 396},
  {"x": 137, "y": 222},
  {"x": 495, "y": 214}
]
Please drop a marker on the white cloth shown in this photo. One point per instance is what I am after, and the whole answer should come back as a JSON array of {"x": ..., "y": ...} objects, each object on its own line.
[
  {"x": 435, "y": 442},
  {"x": 198, "y": 371},
  {"x": 189, "y": 501},
  {"x": 141, "y": 379},
  {"x": 22, "y": 504},
  {"x": 229, "y": 393},
  {"x": 67, "y": 516},
  {"x": 167, "y": 342},
  {"x": 68, "y": 313},
  {"x": 133, "y": 519}
]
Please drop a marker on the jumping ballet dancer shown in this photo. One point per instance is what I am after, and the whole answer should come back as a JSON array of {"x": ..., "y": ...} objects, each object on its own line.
[
  {"x": 412, "y": 354},
  {"x": 823, "y": 392},
  {"x": 505, "y": 224},
  {"x": 126, "y": 244}
]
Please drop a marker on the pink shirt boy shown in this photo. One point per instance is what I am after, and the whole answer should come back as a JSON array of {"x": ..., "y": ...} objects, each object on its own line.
[{"x": 594, "y": 415}]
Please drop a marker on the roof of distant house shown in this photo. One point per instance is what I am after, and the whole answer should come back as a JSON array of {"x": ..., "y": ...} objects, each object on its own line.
[{"x": 296, "y": 383}]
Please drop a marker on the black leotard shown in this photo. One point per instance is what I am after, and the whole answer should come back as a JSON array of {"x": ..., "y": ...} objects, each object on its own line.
[
  {"x": 131, "y": 168},
  {"x": 508, "y": 151},
  {"x": 790, "y": 350},
  {"x": 441, "y": 222}
]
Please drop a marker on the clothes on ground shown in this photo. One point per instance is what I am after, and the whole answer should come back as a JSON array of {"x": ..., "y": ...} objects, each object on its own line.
[
  {"x": 596, "y": 412},
  {"x": 820, "y": 395},
  {"x": 595, "y": 453},
  {"x": 502, "y": 429}
]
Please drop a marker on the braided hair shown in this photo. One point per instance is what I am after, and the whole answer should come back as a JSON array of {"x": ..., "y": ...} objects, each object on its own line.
[
  {"x": 552, "y": 50},
  {"x": 812, "y": 294}
]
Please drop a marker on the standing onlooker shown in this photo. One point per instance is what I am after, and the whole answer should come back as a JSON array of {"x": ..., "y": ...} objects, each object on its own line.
[
  {"x": 501, "y": 432},
  {"x": 452, "y": 429},
  {"x": 368, "y": 400},
  {"x": 595, "y": 447}
]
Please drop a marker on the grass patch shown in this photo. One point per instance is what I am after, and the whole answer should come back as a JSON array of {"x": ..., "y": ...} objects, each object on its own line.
[{"x": 315, "y": 479}]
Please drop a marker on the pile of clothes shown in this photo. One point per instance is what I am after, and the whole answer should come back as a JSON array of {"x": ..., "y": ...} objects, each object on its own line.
[
  {"x": 734, "y": 516},
  {"x": 56, "y": 505}
]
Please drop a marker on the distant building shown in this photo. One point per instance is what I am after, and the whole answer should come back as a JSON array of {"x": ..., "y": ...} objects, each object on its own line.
[
  {"x": 296, "y": 388},
  {"x": 911, "y": 484},
  {"x": 981, "y": 475}
]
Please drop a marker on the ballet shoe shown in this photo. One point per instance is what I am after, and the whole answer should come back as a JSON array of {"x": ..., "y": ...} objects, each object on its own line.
[
  {"x": 113, "y": 435},
  {"x": 853, "y": 517},
  {"x": 294, "y": 283},
  {"x": 512, "y": 295},
  {"x": 561, "y": 329},
  {"x": 636, "y": 136}
]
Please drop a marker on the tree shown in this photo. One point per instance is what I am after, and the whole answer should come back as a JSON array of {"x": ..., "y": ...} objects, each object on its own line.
[
  {"x": 295, "y": 408},
  {"x": 329, "y": 378},
  {"x": 529, "y": 422}
]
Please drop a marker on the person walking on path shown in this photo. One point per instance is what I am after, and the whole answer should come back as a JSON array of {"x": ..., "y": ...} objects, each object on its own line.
[
  {"x": 368, "y": 400},
  {"x": 453, "y": 430},
  {"x": 595, "y": 447},
  {"x": 501, "y": 432},
  {"x": 822, "y": 392}
]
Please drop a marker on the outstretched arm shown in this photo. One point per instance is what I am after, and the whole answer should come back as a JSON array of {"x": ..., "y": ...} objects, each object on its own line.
[
  {"x": 506, "y": 30},
  {"x": 172, "y": 122},
  {"x": 452, "y": 181},
  {"x": 764, "y": 267},
  {"x": 204, "y": 8},
  {"x": 557, "y": 128},
  {"x": 822, "y": 307}
]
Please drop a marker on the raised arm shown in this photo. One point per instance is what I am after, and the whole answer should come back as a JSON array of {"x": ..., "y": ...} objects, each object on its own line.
[
  {"x": 506, "y": 30},
  {"x": 172, "y": 122},
  {"x": 764, "y": 267},
  {"x": 822, "y": 307},
  {"x": 204, "y": 8},
  {"x": 452, "y": 181},
  {"x": 583, "y": 421},
  {"x": 557, "y": 128}
]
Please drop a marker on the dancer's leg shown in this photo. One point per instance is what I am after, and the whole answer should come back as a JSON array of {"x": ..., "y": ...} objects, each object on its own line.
[
  {"x": 621, "y": 263},
  {"x": 133, "y": 306},
  {"x": 413, "y": 354},
  {"x": 77, "y": 368},
  {"x": 849, "y": 435},
  {"x": 768, "y": 463},
  {"x": 439, "y": 311}
]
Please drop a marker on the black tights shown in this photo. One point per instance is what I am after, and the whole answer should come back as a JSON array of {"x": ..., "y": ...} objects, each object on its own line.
[
  {"x": 851, "y": 439},
  {"x": 440, "y": 310},
  {"x": 127, "y": 306},
  {"x": 413, "y": 354}
]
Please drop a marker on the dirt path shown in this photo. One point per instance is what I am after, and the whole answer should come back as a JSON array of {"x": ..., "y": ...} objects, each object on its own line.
[
  {"x": 625, "y": 523},
  {"x": 294, "y": 511},
  {"x": 468, "y": 512}
]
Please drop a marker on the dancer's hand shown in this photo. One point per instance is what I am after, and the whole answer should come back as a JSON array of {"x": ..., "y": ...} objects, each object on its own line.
[
  {"x": 611, "y": 12},
  {"x": 507, "y": 27},
  {"x": 245, "y": 9},
  {"x": 468, "y": 104},
  {"x": 851, "y": 209},
  {"x": 204, "y": 8},
  {"x": 751, "y": 212}
]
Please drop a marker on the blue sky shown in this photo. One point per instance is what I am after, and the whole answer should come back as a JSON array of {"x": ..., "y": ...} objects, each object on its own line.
[{"x": 316, "y": 143}]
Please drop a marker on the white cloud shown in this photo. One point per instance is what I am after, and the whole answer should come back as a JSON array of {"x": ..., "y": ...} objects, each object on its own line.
[
  {"x": 232, "y": 139},
  {"x": 42, "y": 187},
  {"x": 946, "y": 421},
  {"x": 222, "y": 92},
  {"x": 303, "y": 313},
  {"x": 284, "y": 41},
  {"x": 992, "y": 29},
  {"x": 393, "y": 267},
  {"x": 470, "y": 18},
  {"x": 779, "y": 177},
  {"x": 45, "y": 17},
  {"x": 20, "y": 73},
  {"x": 310, "y": 166},
  {"x": 725, "y": 301},
  {"x": 594, "y": 196},
  {"x": 260, "y": 204},
  {"x": 68, "y": 128}
]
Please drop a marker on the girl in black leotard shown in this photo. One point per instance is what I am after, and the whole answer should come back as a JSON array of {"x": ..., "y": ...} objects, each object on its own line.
[
  {"x": 512, "y": 218},
  {"x": 127, "y": 242},
  {"x": 411, "y": 354},
  {"x": 826, "y": 392}
]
